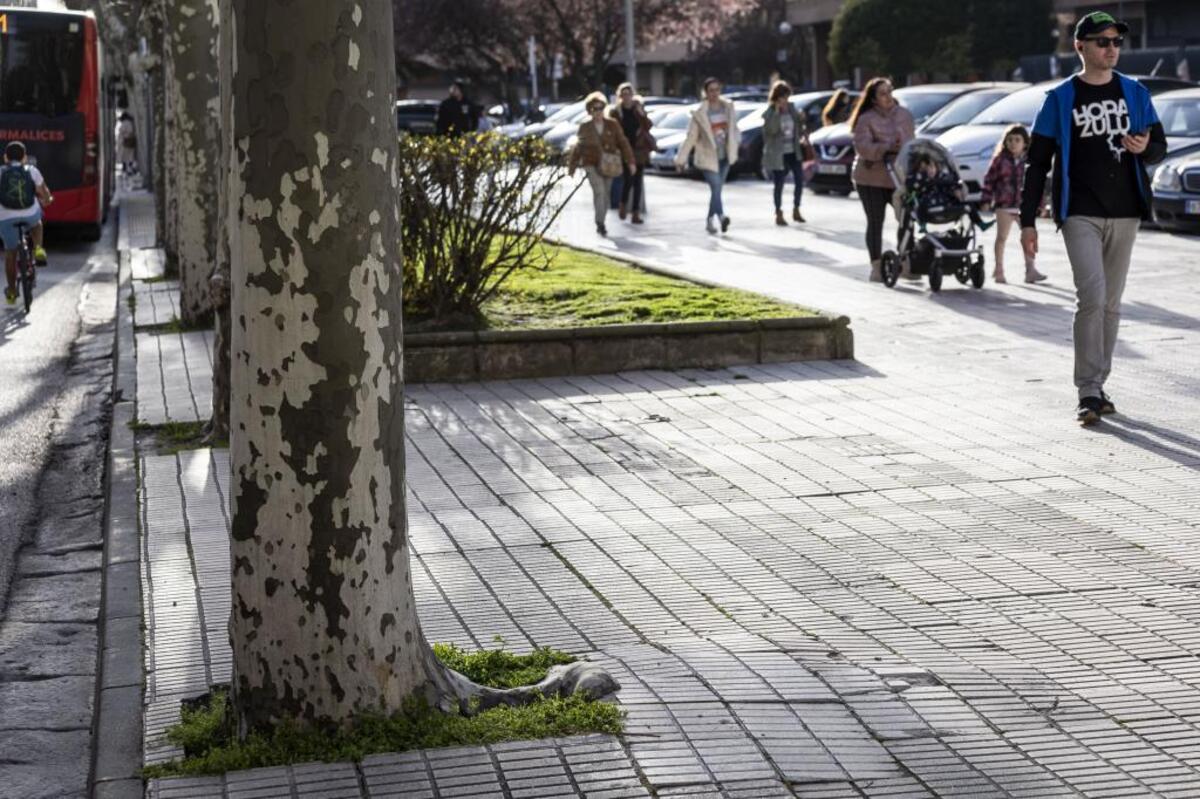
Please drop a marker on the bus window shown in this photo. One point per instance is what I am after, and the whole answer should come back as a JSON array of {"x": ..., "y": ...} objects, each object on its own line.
[{"x": 40, "y": 70}]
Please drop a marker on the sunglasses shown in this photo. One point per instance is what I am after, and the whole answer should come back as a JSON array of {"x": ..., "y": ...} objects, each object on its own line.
[{"x": 1108, "y": 41}]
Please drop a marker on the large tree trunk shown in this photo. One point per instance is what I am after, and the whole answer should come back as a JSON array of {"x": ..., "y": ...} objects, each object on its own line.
[
  {"x": 191, "y": 42},
  {"x": 324, "y": 624},
  {"x": 221, "y": 283}
]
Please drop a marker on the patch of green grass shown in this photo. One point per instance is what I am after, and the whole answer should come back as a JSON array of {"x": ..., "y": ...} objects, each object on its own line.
[
  {"x": 204, "y": 732},
  {"x": 177, "y": 325},
  {"x": 174, "y": 437},
  {"x": 500, "y": 669},
  {"x": 583, "y": 289}
]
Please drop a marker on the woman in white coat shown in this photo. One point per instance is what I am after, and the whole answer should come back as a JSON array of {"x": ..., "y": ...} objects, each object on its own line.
[{"x": 713, "y": 138}]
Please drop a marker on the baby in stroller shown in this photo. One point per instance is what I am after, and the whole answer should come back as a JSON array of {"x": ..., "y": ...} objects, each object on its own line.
[
  {"x": 934, "y": 236},
  {"x": 937, "y": 193}
]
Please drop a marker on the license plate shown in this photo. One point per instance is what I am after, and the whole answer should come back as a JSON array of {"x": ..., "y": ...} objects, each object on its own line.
[
  {"x": 1192, "y": 207},
  {"x": 831, "y": 169}
]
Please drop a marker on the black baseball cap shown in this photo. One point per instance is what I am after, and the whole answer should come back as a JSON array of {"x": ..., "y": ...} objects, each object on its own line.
[{"x": 1098, "y": 21}]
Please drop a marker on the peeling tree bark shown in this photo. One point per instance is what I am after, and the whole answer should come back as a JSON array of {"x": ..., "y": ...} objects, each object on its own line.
[
  {"x": 324, "y": 623},
  {"x": 192, "y": 96},
  {"x": 220, "y": 283}
]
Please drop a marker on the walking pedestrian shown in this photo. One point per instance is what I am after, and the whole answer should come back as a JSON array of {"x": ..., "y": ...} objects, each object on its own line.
[
  {"x": 1002, "y": 192},
  {"x": 457, "y": 115},
  {"x": 126, "y": 143},
  {"x": 880, "y": 127},
  {"x": 712, "y": 135},
  {"x": 784, "y": 137},
  {"x": 634, "y": 123},
  {"x": 604, "y": 153},
  {"x": 1100, "y": 129},
  {"x": 838, "y": 108}
]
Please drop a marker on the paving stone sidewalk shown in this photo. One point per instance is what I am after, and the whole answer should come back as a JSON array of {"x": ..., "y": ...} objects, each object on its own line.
[{"x": 832, "y": 579}]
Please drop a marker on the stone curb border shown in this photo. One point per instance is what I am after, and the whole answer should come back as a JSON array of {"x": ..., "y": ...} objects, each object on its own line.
[
  {"x": 510, "y": 354},
  {"x": 117, "y": 736}
]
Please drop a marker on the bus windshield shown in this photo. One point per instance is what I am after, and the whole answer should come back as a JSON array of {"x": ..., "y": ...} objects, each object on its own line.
[{"x": 41, "y": 64}]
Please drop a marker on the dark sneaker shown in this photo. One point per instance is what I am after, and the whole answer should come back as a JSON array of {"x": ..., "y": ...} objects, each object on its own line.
[
  {"x": 1106, "y": 404},
  {"x": 724, "y": 223},
  {"x": 1088, "y": 412}
]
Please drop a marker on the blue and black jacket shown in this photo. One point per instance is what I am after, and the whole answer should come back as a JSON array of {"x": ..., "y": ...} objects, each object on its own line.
[{"x": 1051, "y": 145}]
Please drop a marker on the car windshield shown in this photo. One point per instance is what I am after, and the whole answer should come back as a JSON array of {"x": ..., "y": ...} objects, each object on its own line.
[
  {"x": 1180, "y": 115},
  {"x": 566, "y": 112},
  {"x": 962, "y": 109},
  {"x": 1018, "y": 108},
  {"x": 676, "y": 120},
  {"x": 748, "y": 115},
  {"x": 922, "y": 104}
]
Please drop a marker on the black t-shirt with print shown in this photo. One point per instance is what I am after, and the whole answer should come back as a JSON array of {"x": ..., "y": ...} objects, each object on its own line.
[{"x": 1103, "y": 174}]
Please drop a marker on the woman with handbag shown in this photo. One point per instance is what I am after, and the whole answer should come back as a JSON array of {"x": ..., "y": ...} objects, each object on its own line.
[
  {"x": 784, "y": 138},
  {"x": 603, "y": 152},
  {"x": 630, "y": 115}
]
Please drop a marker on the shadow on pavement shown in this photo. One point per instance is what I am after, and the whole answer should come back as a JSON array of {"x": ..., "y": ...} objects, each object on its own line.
[{"x": 1171, "y": 444}]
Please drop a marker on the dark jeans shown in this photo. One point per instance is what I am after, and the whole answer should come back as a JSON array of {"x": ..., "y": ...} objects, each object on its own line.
[
  {"x": 632, "y": 184},
  {"x": 790, "y": 164},
  {"x": 875, "y": 203}
]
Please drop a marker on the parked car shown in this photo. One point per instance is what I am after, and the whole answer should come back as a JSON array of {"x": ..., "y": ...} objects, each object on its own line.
[
  {"x": 810, "y": 104},
  {"x": 541, "y": 128},
  {"x": 1176, "y": 188},
  {"x": 834, "y": 145},
  {"x": 961, "y": 110},
  {"x": 972, "y": 144},
  {"x": 1179, "y": 111},
  {"x": 417, "y": 117},
  {"x": 668, "y": 145}
]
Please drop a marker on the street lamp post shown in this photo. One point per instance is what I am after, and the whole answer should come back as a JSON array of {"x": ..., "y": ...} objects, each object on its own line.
[{"x": 630, "y": 47}]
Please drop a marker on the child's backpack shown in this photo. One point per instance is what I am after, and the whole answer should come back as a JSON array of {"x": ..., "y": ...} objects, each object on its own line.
[{"x": 17, "y": 190}]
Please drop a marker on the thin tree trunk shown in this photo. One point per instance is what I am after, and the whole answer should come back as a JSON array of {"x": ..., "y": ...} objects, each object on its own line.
[
  {"x": 220, "y": 284},
  {"x": 170, "y": 149},
  {"x": 324, "y": 623},
  {"x": 192, "y": 90}
]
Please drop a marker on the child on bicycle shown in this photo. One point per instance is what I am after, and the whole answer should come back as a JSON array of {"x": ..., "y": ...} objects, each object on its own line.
[{"x": 23, "y": 192}]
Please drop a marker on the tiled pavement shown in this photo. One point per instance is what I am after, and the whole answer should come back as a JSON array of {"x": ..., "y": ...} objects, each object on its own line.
[
  {"x": 174, "y": 376},
  {"x": 155, "y": 304},
  {"x": 902, "y": 577}
]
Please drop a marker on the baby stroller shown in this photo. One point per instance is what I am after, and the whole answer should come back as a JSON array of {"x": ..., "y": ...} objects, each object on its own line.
[{"x": 950, "y": 248}]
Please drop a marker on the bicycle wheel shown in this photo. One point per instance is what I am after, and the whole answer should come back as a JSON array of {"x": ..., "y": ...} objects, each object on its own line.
[{"x": 25, "y": 268}]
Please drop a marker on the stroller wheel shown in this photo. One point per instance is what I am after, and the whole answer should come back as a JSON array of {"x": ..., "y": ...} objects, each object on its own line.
[
  {"x": 890, "y": 267},
  {"x": 935, "y": 277},
  {"x": 977, "y": 271}
]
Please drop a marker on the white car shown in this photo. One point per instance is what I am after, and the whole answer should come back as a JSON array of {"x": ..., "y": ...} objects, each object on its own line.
[{"x": 973, "y": 144}]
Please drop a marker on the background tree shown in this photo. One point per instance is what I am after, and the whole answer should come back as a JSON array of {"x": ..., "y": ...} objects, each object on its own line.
[
  {"x": 190, "y": 28},
  {"x": 955, "y": 40}
]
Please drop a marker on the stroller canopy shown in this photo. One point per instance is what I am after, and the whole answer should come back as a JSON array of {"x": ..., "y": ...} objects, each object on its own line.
[{"x": 912, "y": 151}]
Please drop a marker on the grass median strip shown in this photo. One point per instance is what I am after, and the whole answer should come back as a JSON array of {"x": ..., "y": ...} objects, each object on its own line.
[
  {"x": 204, "y": 733},
  {"x": 584, "y": 289}
]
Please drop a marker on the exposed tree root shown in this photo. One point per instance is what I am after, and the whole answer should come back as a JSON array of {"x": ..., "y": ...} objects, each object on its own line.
[{"x": 454, "y": 692}]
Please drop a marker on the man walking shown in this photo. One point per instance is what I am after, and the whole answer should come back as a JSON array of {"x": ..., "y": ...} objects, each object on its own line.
[
  {"x": 457, "y": 115},
  {"x": 1099, "y": 127}
]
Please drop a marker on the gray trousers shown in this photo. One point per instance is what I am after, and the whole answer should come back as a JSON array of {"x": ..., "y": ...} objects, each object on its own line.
[
  {"x": 1099, "y": 251},
  {"x": 601, "y": 192}
]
